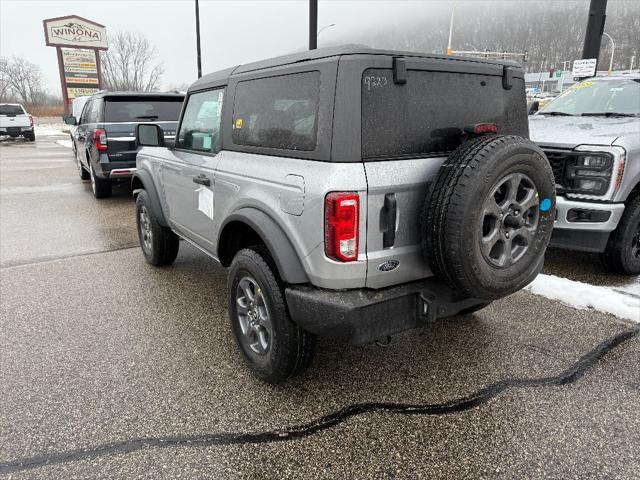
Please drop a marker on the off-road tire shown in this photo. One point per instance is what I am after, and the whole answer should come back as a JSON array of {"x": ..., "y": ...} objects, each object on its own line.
[
  {"x": 164, "y": 245},
  {"x": 291, "y": 349},
  {"x": 618, "y": 256},
  {"x": 101, "y": 187},
  {"x": 452, "y": 216}
]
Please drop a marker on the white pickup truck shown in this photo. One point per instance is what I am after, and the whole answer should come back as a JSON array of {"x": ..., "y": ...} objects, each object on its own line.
[{"x": 15, "y": 121}]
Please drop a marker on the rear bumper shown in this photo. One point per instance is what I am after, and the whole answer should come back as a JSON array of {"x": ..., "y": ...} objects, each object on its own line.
[
  {"x": 363, "y": 315},
  {"x": 114, "y": 170},
  {"x": 15, "y": 130}
]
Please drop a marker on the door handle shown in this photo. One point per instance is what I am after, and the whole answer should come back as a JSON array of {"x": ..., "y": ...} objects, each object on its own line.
[
  {"x": 202, "y": 180},
  {"x": 389, "y": 213}
]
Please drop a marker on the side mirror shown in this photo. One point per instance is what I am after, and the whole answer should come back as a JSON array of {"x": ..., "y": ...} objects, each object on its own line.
[
  {"x": 534, "y": 107},
  {"x": 149, "y": 135},
  {"x": 70, "y": 120}
]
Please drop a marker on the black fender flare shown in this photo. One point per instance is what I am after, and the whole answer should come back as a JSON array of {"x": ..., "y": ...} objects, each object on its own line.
[
  {"x": 279, "y": 245},
  {"x": 144, "y": 177}
]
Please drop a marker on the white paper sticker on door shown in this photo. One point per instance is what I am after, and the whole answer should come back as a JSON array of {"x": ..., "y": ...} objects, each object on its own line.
[{"x": 205, "y": 201}]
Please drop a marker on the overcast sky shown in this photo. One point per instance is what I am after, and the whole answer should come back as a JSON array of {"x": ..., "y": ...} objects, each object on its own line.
[{"x": 233, "y": 32}]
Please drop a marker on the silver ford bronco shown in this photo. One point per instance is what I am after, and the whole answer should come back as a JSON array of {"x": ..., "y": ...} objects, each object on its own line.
[{"x": 352, "y": 193}]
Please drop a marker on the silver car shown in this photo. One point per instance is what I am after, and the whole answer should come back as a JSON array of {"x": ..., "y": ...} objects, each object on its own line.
[
  {"x": 591, "y": 136},
  {"x": 352, "y": 193}
]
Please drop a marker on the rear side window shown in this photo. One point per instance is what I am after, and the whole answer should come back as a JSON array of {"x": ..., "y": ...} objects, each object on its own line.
[
  {"x": 11, "y": 110},
  {"x": 426, "y": 115},
  {"x": 142, "y": 109},
  {"x": 200, "y": 126},
  {"x": 277, "y": 112}
]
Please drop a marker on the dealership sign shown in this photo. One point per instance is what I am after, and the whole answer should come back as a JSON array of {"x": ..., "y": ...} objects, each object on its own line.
[
  {"x": 74, "y": 31},
  {"x": 80, "y": 72},
  {"x": 78, "y": 42},
  {"x": 584, "y": 68}
]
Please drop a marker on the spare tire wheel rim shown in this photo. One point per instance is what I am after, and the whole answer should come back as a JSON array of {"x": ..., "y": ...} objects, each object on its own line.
[
  {"x": 510, "y": 217},
  {"x": 253, "y": 316}
]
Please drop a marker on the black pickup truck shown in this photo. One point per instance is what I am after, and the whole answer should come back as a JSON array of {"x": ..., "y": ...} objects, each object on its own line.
[{"x": 105, "y": 136}]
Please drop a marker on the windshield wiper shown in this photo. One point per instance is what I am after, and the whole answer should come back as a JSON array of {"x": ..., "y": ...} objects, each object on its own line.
[
  {"x": 560, "y": 114},
  {"x": 608, "y": 114},
  {"x": 148, "y": 117}
]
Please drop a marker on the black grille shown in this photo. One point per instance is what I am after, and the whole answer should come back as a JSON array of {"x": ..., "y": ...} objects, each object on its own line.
[{"x": 558, "y": 161}]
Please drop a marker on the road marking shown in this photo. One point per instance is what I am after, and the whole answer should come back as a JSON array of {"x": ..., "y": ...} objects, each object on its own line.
[{"x": 584, "y": 295}]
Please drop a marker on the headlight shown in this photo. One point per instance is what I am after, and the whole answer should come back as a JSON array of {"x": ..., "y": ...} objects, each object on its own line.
[{"x": 596, "y": 173}]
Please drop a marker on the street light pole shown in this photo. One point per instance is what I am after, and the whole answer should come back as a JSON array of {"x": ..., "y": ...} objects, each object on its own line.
[
  {"x": 613, "y": 50},
  {"x": 198, "y": 40},
  {"x": 313, "y": 24},
  {"x": 449, "y": 48},
  {"x": 324, "y": 28}
]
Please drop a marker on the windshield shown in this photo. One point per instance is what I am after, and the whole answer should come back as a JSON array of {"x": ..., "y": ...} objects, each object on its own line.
[
  {"x": 142, "y": 110},
  {"x": 11, "y": 110},
  {"x": 598, "y": 97}
]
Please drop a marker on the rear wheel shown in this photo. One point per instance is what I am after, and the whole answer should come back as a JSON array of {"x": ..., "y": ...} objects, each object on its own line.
[
  {"x": 489, "y": 216},
  {"x": 101, "y": 187},
  {"x": 273, "y": 346},
  {"x": 622, "y": 254},
  {"x": 31, "y": 137},
  {"x": 82, "y": 172},
  {"x": 159, "y": 244}
]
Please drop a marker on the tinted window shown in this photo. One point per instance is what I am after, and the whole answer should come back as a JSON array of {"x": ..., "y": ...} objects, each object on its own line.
[
  {"x": 428, "y": 114},
  {"x": 84, "y": 118},
  {"x": 142, "y": 110},
  {"x": 11, "y": 110},
  {"x": 277, "y": 112},
  {"x": 200, "y": 127},
  {"x": 95, "y": 113}
]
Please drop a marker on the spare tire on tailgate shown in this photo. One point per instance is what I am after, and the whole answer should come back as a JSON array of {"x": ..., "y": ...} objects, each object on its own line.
[{"x": 489, "y": 215}]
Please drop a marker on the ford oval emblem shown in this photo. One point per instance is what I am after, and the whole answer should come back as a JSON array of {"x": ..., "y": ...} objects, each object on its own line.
[{"x": 388, "y": 265}]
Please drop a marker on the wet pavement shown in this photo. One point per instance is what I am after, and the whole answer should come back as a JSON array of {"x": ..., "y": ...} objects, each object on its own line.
[{"x": 111, "y": 368}]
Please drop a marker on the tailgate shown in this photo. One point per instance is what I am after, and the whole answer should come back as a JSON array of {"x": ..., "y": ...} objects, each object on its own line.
[
  {"x": 408, "y": 129},
  {"x": 7, "y": 121}
]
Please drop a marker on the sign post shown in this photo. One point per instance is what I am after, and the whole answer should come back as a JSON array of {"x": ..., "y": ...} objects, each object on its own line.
[{"x": 78, "y": 42}]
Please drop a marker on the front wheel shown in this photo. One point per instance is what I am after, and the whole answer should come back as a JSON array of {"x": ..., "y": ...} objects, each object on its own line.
[
  {"x": 159, "y": 244},
  {"x": 273, "y": 346},
  {"x": 622, "y": 254}
]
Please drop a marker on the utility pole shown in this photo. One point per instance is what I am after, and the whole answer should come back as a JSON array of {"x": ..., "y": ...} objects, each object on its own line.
[
  {"x": 449, "y": 48},
  {"x": 313, "y": 24},
  {"x": 595, "y": 29},
  {"x": 198, "y": 40}
]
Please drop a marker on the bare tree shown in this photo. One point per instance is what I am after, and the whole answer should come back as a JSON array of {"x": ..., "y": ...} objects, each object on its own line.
[
  {"x": 130, "y": 64},
  {"x": 22, "y": 80}
]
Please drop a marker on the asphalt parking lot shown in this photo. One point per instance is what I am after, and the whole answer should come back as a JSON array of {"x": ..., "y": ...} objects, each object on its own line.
[{"x": 110, "y": 368}]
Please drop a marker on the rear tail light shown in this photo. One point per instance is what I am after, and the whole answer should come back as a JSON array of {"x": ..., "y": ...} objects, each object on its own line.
[
  {"x": 100, "y": 139},
  {"x": 341, "y": 213},
  {"x": 480, "y": 128},
  {"x": 30, "y": 121}
]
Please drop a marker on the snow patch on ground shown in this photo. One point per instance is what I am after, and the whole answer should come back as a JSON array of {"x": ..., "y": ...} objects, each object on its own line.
[
  {"x": 51, "y": 129},
  {"x": 65, "y": 143},
  {"x": 583, "y": 295}
]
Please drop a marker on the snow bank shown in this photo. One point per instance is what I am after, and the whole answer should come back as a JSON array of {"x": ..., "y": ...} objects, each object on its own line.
[
  {"x": 584, "y": 295},
  {"x": 64, "y": 143},
  {"x": 50, "y": 130}
]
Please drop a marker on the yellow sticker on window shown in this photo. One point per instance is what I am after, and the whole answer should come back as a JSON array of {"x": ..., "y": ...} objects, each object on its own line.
[
  {"x": 583, "y": 84},
  {"x": 239, "y": 122}
]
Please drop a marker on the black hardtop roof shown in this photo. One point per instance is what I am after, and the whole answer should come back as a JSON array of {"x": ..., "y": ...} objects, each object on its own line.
[
  {"x": 106, "y": 94},
  {"x": 221, "y": 77}
]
